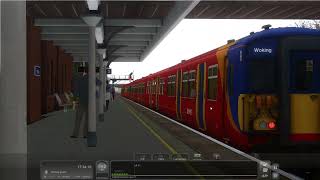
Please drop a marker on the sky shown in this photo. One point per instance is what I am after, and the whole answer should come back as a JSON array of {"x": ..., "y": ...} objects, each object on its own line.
[{"x": 192, "y": 37}]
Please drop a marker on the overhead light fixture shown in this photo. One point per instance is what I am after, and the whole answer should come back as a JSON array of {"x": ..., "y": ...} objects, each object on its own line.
[
  {"x": 99, "y": 34},
  {"x": 93, "y": 5}
]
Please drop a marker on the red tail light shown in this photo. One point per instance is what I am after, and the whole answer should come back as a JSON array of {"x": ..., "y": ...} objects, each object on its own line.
[{"x": 271, "y": 125}]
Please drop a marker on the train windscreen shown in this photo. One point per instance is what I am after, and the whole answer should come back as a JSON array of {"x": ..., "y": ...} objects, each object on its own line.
[{"x": 261, "y": 75}]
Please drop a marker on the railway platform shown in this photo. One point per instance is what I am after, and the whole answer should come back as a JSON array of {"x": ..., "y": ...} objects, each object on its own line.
[
  {"x": 127, "y": 129},
  {"x": 128, "y": 132}
]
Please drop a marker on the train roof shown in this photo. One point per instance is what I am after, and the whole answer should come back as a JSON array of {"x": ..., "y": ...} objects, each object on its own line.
[
  {"x": 267, "y": 33},
  {"x": 277, "y": 32}
]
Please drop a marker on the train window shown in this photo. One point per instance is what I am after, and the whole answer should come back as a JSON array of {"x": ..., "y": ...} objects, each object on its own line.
[
  {"x": 148, "y": 86},
  {"x": 174, "y": 85},
  {"x": 212, "y": 82},
  {"x": 142, "y": 88},
  {"x": 171, "y": 85},
  {"x": 185, "y": 84},
  {"x": 151, "y": 87},
  {"x": 161, "y": 86},
  {"x": 154, "y": 87},
  {"x": 168, "y": 86},
  {"x": 261, "y": 75},
  {"x": 192, "y": 83},
  {"x": 303, "y": 74}
]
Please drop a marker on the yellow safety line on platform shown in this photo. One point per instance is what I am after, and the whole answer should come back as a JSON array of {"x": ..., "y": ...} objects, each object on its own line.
[{"x": 153, "y": 132}]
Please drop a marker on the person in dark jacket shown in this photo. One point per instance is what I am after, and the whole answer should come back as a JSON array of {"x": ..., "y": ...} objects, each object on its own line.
[
  {"x": 108, "y": 96},
  {"x": 113, "y": 92},
  {"x": 81, "y": 121}
]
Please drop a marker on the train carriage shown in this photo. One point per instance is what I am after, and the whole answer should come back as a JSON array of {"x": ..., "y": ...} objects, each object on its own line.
[{"x": 261, "y": 89}]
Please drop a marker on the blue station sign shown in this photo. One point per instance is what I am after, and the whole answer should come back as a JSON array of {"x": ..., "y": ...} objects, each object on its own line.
[{"x": 37, "y": 71}]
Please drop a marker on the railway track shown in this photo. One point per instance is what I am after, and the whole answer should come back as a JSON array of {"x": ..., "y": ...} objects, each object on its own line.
[{"x": 212, "y": 149}]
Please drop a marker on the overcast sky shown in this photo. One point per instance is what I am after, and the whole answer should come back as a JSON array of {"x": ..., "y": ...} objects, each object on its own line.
[{"x": 190, "y": 38}]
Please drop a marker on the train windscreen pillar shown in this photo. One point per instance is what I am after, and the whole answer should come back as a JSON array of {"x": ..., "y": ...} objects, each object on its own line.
[{"x": 92, "y": 21}]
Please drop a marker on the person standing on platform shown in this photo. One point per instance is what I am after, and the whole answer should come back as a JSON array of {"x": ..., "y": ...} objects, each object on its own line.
[
  {"x": 108, "y": 96},
  {"x": 81, "y": 121},
  {"x": 113, "y": 92}
]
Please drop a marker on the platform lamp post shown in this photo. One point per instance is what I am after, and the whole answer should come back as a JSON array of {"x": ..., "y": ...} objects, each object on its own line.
[
  {"x": 101, "y": 51},
  {"x": 92, "y": 20}
]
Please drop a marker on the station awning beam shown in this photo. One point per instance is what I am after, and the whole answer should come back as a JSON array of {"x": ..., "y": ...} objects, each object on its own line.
[
  {"x": 73, "y": 22},
  {"x": 133, "y": 22},
  {"x": 179, "y": 11},
  {"x": 84, "y": 58}
]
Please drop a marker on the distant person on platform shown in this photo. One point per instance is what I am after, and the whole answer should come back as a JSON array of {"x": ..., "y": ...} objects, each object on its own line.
[
  {"x": 81, "y": 121},
  {"x": 98, "y": 84},
  {"x": 113, "y": 92},
  {"x": 108, "y": 96}
]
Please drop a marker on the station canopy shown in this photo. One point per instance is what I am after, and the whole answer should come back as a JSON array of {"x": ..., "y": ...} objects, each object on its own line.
[{"x": 130, "y": 30}]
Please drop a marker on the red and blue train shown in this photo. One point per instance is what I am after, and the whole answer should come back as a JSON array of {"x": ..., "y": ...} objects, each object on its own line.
[{"x": 261, "y": 89}]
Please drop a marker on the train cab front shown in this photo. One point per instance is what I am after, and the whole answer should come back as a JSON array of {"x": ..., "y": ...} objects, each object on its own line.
[
  {"x": 299, "y": 90},
  {"x": 275, "y": 81}
]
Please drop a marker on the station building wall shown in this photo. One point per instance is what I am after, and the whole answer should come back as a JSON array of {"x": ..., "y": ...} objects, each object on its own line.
[
  {"x": 49, "y": 71},
  {"x": 34, "y": 81}
]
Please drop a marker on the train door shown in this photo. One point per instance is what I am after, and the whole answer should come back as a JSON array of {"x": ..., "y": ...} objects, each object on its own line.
[
  {"x": 153, "y": 93},
  {"x": 178, "y": 94},
  {"x": 214, "y": 101},
  {"x": 149, "y": 87},
  {"x": 200, "y": 99},
  {"x": 157, "y": 86},
  {"x": 305, "y": 95}
]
